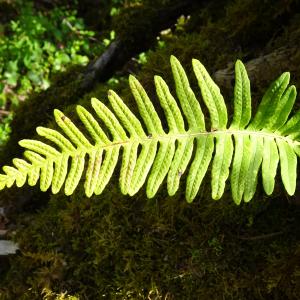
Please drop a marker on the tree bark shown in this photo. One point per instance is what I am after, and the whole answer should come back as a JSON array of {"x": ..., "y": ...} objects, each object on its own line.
[
  {"x": 264, "y": 69},
  {"x": 133, "y": 41}
]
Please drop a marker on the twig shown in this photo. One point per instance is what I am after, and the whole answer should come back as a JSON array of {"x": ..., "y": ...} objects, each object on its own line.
[
  {"x": 260, "y": 237},
  {"x": 72, "y": 28},
  {"x": 4, "y": 112}
]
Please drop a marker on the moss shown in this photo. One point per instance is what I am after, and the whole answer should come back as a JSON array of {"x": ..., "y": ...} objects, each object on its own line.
[{"x": 130, "y": 247}]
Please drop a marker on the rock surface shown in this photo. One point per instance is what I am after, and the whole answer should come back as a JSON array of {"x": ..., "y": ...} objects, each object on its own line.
[{"x": 7, "y": 247}]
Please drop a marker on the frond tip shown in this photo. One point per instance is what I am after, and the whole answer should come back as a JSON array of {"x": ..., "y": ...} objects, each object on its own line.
[{"x": 151, "y": 154}]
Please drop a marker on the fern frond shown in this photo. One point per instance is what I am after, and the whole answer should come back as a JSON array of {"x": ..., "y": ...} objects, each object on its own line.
[{"x": 151, "y": 154}]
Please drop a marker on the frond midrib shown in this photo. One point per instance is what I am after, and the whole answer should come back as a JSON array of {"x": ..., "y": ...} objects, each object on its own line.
[{"x": 171, "y": 136}]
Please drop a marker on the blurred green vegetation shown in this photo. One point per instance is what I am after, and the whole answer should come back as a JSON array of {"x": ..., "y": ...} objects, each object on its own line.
[{"x": 35, "y": 45}]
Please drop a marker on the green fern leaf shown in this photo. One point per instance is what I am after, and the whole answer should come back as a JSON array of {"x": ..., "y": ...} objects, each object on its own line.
[{"x": 151, "y": 154}]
